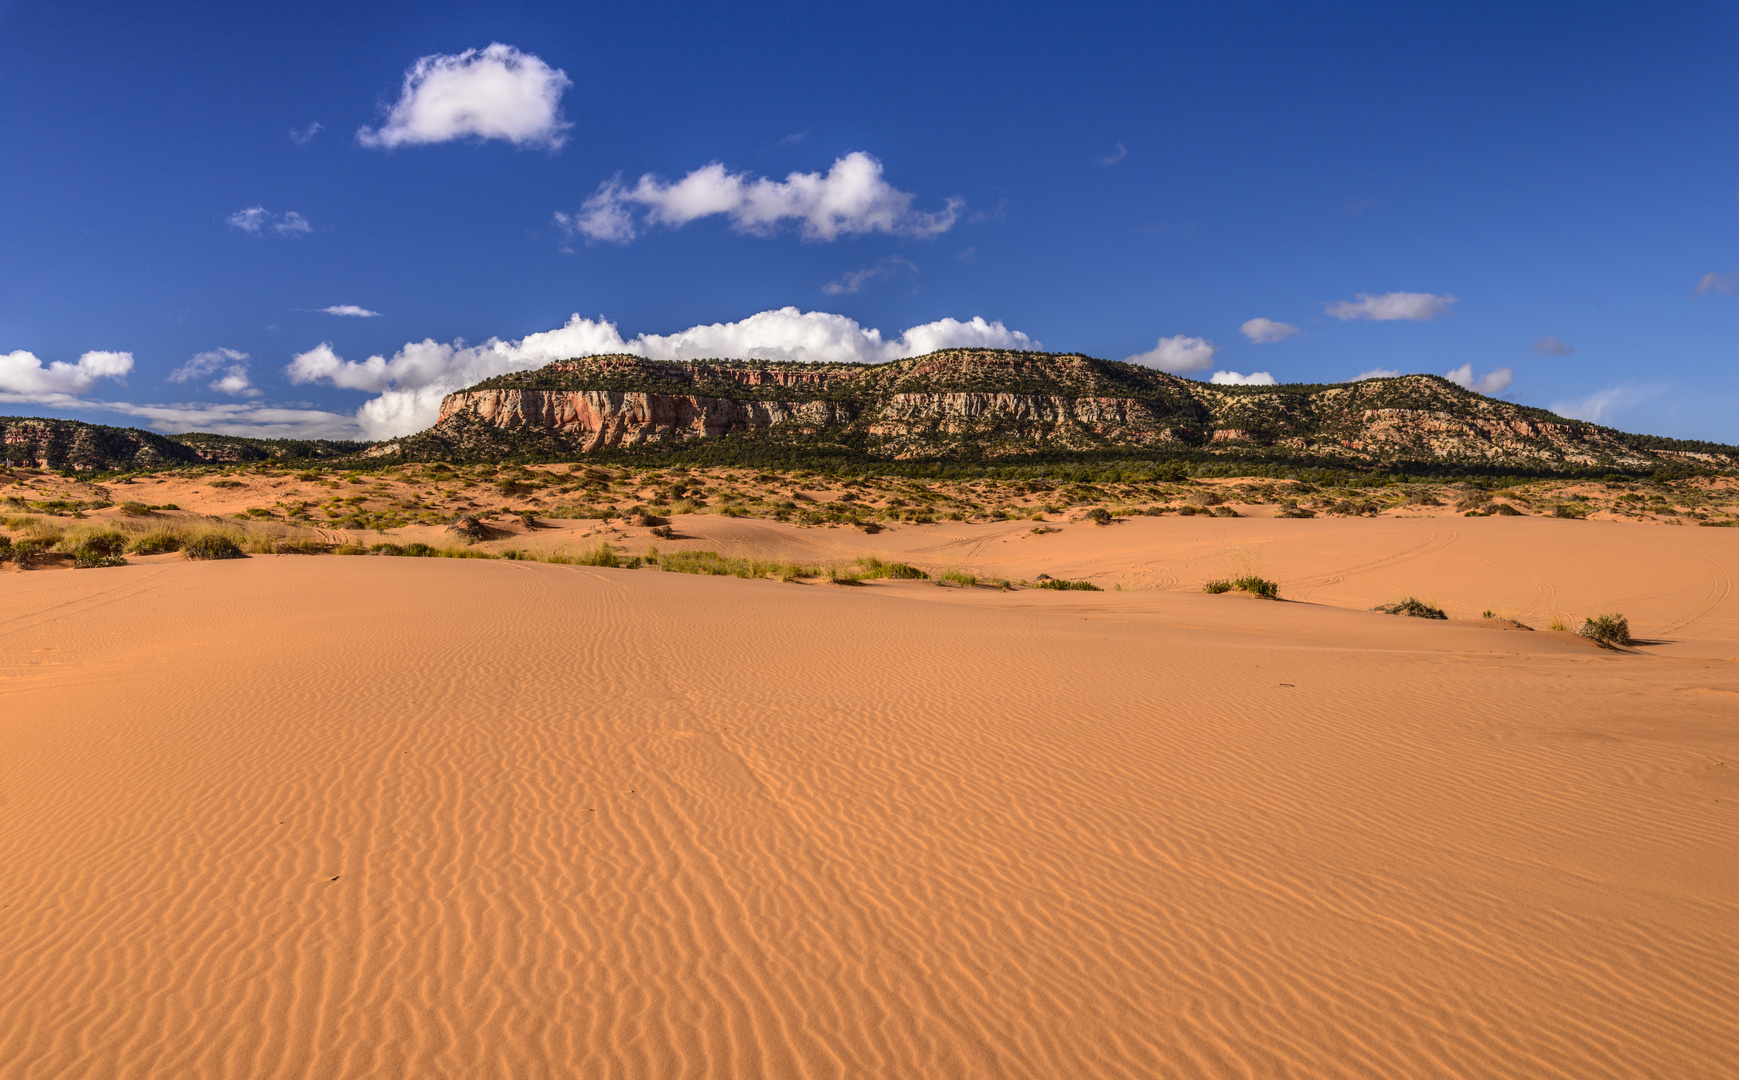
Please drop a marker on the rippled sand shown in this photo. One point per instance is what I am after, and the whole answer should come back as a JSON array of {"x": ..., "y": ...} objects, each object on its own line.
[{"x": 343, "y": 817}]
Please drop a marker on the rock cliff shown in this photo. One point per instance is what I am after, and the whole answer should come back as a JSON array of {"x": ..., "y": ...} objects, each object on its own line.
[{"x": 988, "y": 403}]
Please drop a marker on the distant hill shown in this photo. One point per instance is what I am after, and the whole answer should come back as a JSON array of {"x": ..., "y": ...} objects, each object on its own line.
[
  {"x": 990, "y": 404},
  {"x": 73, "y": 444}
]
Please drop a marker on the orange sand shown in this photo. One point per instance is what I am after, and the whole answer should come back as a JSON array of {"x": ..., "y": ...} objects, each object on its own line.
[{"x": 367, "y": 817}]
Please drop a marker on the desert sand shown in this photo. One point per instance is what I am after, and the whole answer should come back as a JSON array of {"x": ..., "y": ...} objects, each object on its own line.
[{"x": 331, "y": 817}]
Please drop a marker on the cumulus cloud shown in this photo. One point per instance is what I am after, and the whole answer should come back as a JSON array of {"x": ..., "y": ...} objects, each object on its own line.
[
  {"x": 233, "y": 365},
  {"x": 1718, "y": 284},
  {"x": 855, "y": 280},
  {"x": 1177, "y": 354},
  {"x": 493, "y": 93},
  {"x": 850, "y": 199},
  {"x": 257, "y": 221},
  {"x": 1599, "y": 406},
  {"x": 1232, "y": 378},
  {"x": 1267, "y": 331},
  {"x": 236, "y": 418},
  {"x": 1389, "y": 307},
  {"x": 350, "y": 309},
  {"x": 1108, "y": 160},
  {"x": 1377, "y": 373},
  {"x": 303, "y": 136},
  {"x": 1551, "y": 346},
  {"x": 1495, "y": 381},
  {"x": 410, "y": 384},
  {"x": 24, "y": 379}
]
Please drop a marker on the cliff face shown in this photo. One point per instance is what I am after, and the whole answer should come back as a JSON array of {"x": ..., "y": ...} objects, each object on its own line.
[
  {"x": 73, "y": 444},
  {"x": 1004, "y": 404}
]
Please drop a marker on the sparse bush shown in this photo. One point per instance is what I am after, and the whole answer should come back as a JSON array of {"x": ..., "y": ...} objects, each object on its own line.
[
  {"x": 874, "y": 568},
  {"x": 98, "y": 549},
  {"x": 1504, "y": 509},
  {"x": 844, "y": 575},
  {"x": 1607, "y": 629},
  {"x": 212, "y": 545},
  {"x": 958, "y": 577},
  {"x": 1066, "y": 585},
  {"x": 602, "y": 555},
  {"x": 300, "y": 547},
  {"x": 1260, "y": 588},
  {"x": 135, "y": 509},
  {"x": 663, "y": 532},
  {"x": 1417, "y": 609}
]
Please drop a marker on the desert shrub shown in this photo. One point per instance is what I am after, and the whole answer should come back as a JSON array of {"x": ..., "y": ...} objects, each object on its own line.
[
  {"x": 24, "y": 550},
  {"x": 300, "y": 547},
  {"x": 1607, "y": 629},
  {"x": 663, "y": 532},
  {"x": 1293, "y": 510},
  {"x": 843, "y": 575},
  {"x": 1504, "y": 510},
  {"x": 212, "y": 545},
  {"x": 602, "y": 555},
  {"x": 1066, "y": 585},
  {"x": 1188, "y": 511},
  {"x": 958, "y": 577},
  {"x": 1098, "y": 516},
  {"x": 226, "y": 484},
  {"x": 98, "y": 549},
  {"x": 1260, "y": 588},
  {"x": 874, "y": 568},
  {"x": 1417, "y": 609},
  {"x": 258, "y": 543},
  {"x": 135, "y": 509},
  {"x": 1223, "y": 511},
  {"x": 1566, "y": 510},
  {"x": 5, "y": 547},
  {"x": 711, "y": 562}
]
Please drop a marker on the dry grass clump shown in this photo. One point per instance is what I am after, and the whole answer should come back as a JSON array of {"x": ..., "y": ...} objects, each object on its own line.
[
  {"x": 874, "y": 568},
  {"x": 1608, "y": 630},
  {"x": 715, "y": 564},
  {"x": 1258, "y": 587},
  {"x": 1066, "y": 585},
  {"x": 1408, "y": 606},
  {"x": 154, "y": 542},
  {"x": 957, "y": 577}
]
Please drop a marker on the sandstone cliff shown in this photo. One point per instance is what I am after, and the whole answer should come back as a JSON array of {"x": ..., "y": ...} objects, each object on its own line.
[{"x": 1005, "y": 404}]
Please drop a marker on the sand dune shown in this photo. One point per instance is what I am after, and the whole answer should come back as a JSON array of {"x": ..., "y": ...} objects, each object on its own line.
[{"x": 346, "y": 817}]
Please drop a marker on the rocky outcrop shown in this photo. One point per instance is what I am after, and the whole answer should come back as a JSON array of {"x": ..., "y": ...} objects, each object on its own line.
[{"x": 1002, "y": 404}]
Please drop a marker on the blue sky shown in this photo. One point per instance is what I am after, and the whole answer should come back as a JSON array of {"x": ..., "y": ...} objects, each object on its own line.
[{"x": 1542, "y": 199}]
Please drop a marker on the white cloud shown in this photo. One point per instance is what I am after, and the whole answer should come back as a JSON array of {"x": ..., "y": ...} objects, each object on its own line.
[
  {"x": 1599, "y": 406},
  {"x": 493, "y": 93},
  {"x": 1113, "y": 157},
  {"x": 350, "y": 309},
  {"x": 234, "y": 380},
  {"x": 1721, "y": 284},
  {"x": 1495, "y": 381},
  {"x": 1377, "y": 373},
  {"x": 1414, "y": 306},
  {"x": 855, "y": 280},
  {"x": 852, "y": 198},
  {"x": 1551, "y": 346},
  {"x": 302, "y": 136},
  {"x": 24, "y": 379},
  {"x": 409, "y": 386},
  {"x": 1267, "y": 331},
  {"x": 236, "y": 418},
  {"x": 1177, "y": 354},
  {"x": 256, "y": 220},
  {"x": 1232, "y": 378}
]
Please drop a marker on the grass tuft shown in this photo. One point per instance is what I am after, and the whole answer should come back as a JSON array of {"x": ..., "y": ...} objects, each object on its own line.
[{"x": 1258, "y": 587}]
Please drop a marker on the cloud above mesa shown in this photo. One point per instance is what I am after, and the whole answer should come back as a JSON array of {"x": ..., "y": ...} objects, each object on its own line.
[
  {"x": 25, "y": 379},
  {"x": 493, "y": 93},
  {"x": 850, "y": 199},
  {"x": 409, "y": 385}
]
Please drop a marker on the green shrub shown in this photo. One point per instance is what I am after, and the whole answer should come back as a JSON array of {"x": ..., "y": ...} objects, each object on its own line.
[
  {"x": 5, "y": 547},
  {"x": 874, "y": 568},
  {"x": 99, "y": 549},
  {"x": 1260, "y": 588},
  {"x": 212, "y": 545},
  {"x": 1607, "y": 629},
  {"x": 135, "y": 509},
  {"x": 1412, "y": 608},
  {"x": 1504, "y": 510},
  {"x": 602, "y": 555},
  {"x": 958, "y": 577},
  {"x": 1098, "y": 516},
  {"x": 1063, "y": 584}
]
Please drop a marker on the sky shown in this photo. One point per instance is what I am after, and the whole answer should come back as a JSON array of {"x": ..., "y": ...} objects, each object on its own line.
[{"x": 314, "y": 220}]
